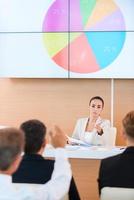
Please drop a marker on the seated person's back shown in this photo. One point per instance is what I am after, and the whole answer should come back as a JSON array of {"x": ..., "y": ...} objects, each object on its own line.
[
  {"x": 117, "y": 171},
  {"x": 34, "y": 168},
  {"x": 11, "y": 148}
]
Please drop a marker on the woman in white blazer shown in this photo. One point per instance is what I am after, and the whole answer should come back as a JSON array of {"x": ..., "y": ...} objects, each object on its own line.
[{"x": 93, "y": 129}]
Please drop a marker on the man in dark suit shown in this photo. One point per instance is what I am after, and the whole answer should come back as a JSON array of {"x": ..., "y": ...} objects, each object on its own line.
[
  {"x": 117, "y": 171},
  {"x": 34, "y": 168}
]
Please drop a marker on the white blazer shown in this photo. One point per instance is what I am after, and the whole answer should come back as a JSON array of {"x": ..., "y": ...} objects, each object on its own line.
[{"x": 92, "y": 137}]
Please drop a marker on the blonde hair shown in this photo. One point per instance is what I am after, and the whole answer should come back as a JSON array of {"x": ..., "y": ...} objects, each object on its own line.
[{"x": 128, "y": 124}]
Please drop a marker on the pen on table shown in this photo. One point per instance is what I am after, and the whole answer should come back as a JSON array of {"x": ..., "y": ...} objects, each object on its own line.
[{"x": 122, "y": 148}]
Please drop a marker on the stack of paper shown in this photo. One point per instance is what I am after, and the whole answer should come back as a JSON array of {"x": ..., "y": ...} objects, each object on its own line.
[{"x": 74, "y": 141}]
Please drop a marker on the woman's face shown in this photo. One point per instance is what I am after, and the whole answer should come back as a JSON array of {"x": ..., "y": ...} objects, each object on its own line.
[{"x": 96, "y": 107}]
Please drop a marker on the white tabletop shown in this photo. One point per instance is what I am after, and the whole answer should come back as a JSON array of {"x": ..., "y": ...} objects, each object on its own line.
[
  {"x": 1, "y": 126},
  {"x": 93, "y": 152}
]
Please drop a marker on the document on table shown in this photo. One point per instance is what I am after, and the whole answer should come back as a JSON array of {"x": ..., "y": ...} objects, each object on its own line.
[{"x": 74, "y": 141}]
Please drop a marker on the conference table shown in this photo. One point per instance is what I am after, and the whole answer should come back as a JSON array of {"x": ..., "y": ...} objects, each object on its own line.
[{"x": 85, "y": 163}]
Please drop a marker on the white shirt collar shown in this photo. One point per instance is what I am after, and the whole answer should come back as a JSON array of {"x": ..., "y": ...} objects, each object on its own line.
[
  {"x": 4, "y": 178},
  {"x": 99, "y": 120}
]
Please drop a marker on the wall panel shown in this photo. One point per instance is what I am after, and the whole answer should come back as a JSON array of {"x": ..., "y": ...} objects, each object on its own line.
[
  {"x": 62, "y": 101},
  {"x": 123, "y": 103},
  {"x": 55, "y": 101}
]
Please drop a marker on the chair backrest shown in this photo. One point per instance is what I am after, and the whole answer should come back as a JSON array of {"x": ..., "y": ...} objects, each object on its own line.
[
  {"x": 110, "y": 136},
  {"x": 33, "y": 187},
  {"x": 113, "y": 193},
  {"x": 113, "y": 133}
]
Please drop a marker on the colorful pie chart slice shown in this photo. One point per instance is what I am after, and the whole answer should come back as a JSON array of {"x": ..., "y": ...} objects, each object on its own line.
[{"x": 84, "y": 36}]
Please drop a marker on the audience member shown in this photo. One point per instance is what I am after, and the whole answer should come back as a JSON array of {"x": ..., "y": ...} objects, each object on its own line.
[
  {"x": 117, "y": 171},
  {"x": 11, "y": 147},
  {"x": 34, "y": 168}
]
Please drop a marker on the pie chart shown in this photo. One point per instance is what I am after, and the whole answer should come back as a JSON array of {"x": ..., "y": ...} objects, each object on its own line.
[{"x": 84, "y": 36}]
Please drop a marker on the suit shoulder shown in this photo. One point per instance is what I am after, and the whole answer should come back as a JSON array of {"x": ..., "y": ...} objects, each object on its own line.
[
  {"x": 110, "y": 160},
  {"x": 82, "y": 119},
  {"x": 48, "y": 161}
]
